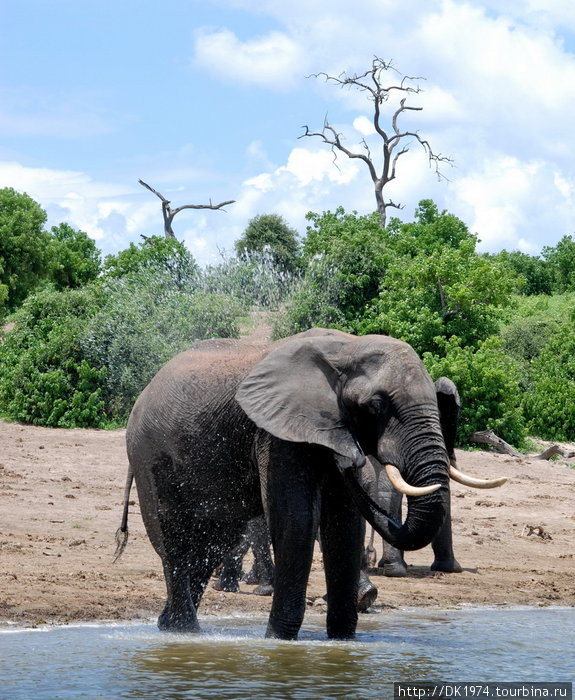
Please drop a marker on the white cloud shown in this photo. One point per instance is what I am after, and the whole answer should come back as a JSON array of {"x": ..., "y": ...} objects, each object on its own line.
[
  {"x": 274, "y": 60},
  {"x": 308, "y": 166},
  {"x": 498, "y": 100},
  {"x": 506, "y": 75},
  {"x": 507, "y": 202},
  {"x": 72, "y": 196},
  {"x": 364, "y": 126}
]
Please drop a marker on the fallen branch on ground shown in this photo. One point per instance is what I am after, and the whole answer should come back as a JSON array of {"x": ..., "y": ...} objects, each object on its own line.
[{"x": 488, "y": 437}]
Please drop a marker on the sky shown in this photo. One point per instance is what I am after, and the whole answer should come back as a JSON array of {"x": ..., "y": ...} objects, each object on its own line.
[{"x": 206, "y": 100}]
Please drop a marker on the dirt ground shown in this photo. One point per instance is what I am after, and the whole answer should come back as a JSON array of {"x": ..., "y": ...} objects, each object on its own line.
[
  {"x": 61, "y": 497},
  {"x": 61, "y": 502}
]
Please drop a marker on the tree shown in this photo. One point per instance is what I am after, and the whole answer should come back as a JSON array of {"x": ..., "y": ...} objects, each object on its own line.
[
  {"x": 74, "y": 258},
  {"x": 562, "y": 258},
  {"x": 437, "y": 286},
  {"x": 269, "y": 232},
  {"x": 168, "y": 213},
  {"x": 23, "y": 247},
  {"x": 325, "y": 231},
  {"x": 155, "y": 254},
  {"x": 549, "y": 402},
  {"x": 488, "y": 382},
  {"x": 432, "y": 230},
  {"x": 394, "y": 139},
  {"x": 538, "y": 274},
  {"x": 345, "y": 257}
]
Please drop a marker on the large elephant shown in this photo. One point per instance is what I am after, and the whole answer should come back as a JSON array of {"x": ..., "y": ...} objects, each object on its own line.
[{"x": 226, "y": 430}]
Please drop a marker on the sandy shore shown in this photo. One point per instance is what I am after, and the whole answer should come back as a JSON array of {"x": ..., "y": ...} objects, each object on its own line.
[{"x": 61, "y": 502}]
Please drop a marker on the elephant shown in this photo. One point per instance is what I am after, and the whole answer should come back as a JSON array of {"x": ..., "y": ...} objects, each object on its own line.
[
  {"x": 227, "y": 430},
  {"x": 392, "y": 561}
]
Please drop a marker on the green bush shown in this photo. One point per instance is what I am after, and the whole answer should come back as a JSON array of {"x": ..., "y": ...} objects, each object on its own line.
[
  {"x": 78, "y": 358},
  {"x": 488, "y": 383},
  {"x": 146, "y": 320},
  {"x": 346, "y": 258},
  {"x": 525, "y": 338},
  {"x": 549, "y": 402},
  {"x": 155, "y": 255},
  {"x": 255, "y": 281},
  {"x": 314, "y": 301},
  {"x": 44, "y": 377},
  {"x": 449, "y": 291}
]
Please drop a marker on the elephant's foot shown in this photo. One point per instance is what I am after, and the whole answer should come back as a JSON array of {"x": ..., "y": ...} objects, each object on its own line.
[
  {"x": 366, "y": 596},
  {"x": 394, "y": 569},
  {"x": 170, "y": 621},
  {"x": 448, "y": 566},
  {"x": 252, "y": 578},
  {"x": 264, "y": 589},
  {"x": 226, "y": 586}
]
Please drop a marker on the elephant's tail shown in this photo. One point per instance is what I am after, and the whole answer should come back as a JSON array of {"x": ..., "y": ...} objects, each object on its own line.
[{"x": 122, "y": 532}]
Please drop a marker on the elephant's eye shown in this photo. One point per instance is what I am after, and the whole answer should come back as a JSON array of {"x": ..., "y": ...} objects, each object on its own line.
[{"x": 377, "y": 404}]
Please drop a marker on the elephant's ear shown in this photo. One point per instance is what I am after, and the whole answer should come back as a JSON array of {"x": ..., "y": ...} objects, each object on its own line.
[
  {"x": 449, "y": 406},
  {"x": 293, "y": 393}
]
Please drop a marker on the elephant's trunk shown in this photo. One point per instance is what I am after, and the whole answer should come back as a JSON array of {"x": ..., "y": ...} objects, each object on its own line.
[{"x": 425, "y": 514}]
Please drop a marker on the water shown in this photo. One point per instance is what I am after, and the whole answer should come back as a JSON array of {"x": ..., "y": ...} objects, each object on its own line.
[{"x": 232, "y": 660}]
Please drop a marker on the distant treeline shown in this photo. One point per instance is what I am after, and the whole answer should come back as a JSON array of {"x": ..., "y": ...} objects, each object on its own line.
[{"x": 82, "y": 336}]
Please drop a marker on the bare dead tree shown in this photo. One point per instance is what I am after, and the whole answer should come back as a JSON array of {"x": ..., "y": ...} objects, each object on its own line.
[
  {"x": 169, "y": 213},
  {"x": 395, "y": 141}
]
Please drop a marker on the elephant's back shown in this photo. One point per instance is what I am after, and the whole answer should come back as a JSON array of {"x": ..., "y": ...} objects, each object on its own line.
[{"x": 194, "y": 391}]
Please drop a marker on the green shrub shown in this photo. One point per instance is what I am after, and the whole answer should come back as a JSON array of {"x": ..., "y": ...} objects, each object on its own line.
[
  {"x": 78, "y": 358},
  {"x": 488, "y": 383},
  {"x": 146, "y": 320},
  {"x": 549, "y": 402},
  {"x": 314, "y": 301},
  {"x": 155, "y": 255},
  {"x": 346, "y": 258},
  {"x": 255, "y": 281},
  {"x": 449, "y": 291},
  {"x": 44, "y": 378},
  {"x": 525, "y": 338}
]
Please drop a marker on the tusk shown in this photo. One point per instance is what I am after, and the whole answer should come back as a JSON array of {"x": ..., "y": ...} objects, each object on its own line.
[
  {"x": 472, "y": 481},
  {"x": 399, "y": 483}
]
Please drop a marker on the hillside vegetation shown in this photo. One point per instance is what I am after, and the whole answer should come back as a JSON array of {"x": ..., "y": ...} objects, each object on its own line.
[{"x": 83, "y": 336}]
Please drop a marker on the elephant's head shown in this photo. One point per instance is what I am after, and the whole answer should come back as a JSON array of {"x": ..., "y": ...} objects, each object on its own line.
[{"x": 359, "y": 396}]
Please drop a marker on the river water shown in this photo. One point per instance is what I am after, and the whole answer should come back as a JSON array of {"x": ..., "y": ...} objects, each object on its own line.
[{"x": 231, "y": 659}]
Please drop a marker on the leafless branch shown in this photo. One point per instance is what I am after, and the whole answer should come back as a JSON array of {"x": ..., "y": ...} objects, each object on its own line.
[{"x": 169, "y": 213}]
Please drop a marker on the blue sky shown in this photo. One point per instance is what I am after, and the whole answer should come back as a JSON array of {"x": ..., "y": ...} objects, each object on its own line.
[{"x": 205, "y": 99}]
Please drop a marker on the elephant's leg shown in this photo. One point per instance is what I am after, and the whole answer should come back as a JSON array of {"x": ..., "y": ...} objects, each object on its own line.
[
  {"x": 222, "y": 538},
  {"x": 231, "y": 572},
  {"x": 262, "y": 572},
  {"x": 179, "y": 614},
  {"x": 443, "y": 548},
  {"x": 366, "y": 591},
  {"x": 392, "y": 561},
  {"x": 342, "y": 531},
  {"x": 292, "y": 492},
  {"x": 166, "y": 521},
  {"x": 189, "y": 561}
]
